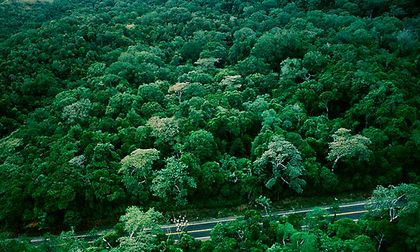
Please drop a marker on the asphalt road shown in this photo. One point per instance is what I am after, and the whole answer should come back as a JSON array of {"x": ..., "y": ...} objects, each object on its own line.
[{"x": 201, "y": 230}]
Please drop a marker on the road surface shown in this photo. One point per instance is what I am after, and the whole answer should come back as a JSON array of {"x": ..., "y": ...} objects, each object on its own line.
[{"x": 201, "y": 230}]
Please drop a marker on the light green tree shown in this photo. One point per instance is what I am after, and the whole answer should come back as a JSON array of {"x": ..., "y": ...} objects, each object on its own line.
[
  {"x": 286, "y": 164},
  {"x": 346, "y": 145},
  {"x": 394, "y": 200},
  {"x": 77, "y": 111},
  {"x": 264, "y": 202},
  {"x": 8, "y": 145},
  {"x": 165, "y": 129},
  {"x": 141, "y": 227},
  {"x": 136, "y": 169}
]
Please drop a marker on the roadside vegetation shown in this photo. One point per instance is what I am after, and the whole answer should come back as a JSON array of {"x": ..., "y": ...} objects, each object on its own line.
[{"x": 391, "y": 224}]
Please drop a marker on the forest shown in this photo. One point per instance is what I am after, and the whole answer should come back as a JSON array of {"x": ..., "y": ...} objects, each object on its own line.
[{"x": 112, "y": 109}]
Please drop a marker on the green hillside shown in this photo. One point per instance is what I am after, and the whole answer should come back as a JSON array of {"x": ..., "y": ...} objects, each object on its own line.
[{"x": 198, "y": 104}]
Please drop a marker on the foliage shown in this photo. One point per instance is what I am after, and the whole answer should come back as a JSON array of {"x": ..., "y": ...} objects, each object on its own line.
[
  {"x": 173, "y": 182},
  {"x": 286, "y": 164},
  {"x": 141, "y": 228},
  {"x": 346, "y": 145},
  {"x": 184, "y": 104},
  {"x": 137, "y": 169}
]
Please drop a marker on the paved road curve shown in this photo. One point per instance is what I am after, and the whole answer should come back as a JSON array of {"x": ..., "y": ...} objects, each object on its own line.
[{"x": 201, "y": 230}]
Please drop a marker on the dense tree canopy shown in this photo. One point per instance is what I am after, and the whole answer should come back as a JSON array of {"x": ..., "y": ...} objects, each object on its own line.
[{"x": 174, "y": 104}]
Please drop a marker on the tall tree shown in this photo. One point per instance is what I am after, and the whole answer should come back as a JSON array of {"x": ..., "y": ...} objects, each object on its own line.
[
  {"x": 173, "y": 182},
  {"x": 285, "y": 162},
  {"x": 137, "y": 169},
  {"x": 346, "y": 145},
  {"x": 141, "y": 227}
]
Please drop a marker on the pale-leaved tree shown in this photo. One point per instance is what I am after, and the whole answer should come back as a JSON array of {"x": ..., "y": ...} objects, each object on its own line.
[
  {"x": 165, "y": 129},
  {"x": 141, "y": 227},
  {"x": 286, "y": 164},
  {"x": 394, "y": 201},
  {"x": 346, "y": 145},
  {"x": 136, "y": 169}
]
